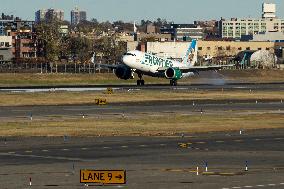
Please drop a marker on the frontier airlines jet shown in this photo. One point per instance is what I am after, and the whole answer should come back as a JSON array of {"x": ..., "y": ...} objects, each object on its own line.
[{"x": 148, "y": 64}]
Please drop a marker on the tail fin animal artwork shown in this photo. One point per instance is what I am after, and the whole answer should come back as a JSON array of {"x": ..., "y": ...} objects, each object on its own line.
[{"x": 190, "y": 57}]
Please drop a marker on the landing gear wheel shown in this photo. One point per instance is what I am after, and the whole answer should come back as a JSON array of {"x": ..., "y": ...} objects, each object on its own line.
[
  {"x": 140, "y": 82},
  {"x": 173, "y": 82}
]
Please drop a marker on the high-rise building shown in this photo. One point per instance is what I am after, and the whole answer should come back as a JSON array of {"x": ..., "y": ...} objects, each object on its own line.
[
  {"x": 40, "y": 15},
  {"x": 48, "y": 15},
  {"x": 77, "y": 16}
]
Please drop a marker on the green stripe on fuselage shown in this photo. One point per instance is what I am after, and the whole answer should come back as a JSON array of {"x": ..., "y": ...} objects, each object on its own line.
[{"x": 152, "y": 60}]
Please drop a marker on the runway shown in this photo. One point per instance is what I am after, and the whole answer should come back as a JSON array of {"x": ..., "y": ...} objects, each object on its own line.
[
  {"x": 210, "y": 85},
  {"x": 183, "y": 107},
  {"x": 150, "y": 162}
]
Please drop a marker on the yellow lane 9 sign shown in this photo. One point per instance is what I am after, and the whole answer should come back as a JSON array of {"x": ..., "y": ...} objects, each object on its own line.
[{"x": 103, "y": 176}]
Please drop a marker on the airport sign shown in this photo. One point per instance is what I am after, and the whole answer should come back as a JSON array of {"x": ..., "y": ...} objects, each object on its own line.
[{"x": 103, "y": 176}]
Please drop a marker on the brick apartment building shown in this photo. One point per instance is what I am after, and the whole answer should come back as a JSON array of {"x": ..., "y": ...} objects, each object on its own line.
[{"x": 23, "y": 37}]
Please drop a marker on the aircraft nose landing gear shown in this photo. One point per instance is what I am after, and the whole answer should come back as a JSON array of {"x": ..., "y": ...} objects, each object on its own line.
[
  {"x": 140, "y": 82},
  {"x": 173, "y": 82}
]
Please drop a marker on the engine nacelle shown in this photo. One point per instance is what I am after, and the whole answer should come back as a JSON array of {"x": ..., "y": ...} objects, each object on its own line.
[
  {"x": 123, "y": 72},
  {"x": 173, "y": 73}
]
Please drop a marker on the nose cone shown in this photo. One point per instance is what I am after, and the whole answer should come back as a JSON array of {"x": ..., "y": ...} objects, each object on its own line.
[{"x": 126, "y": 60}]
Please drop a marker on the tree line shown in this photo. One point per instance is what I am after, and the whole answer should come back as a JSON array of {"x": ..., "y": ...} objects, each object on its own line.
[{"x": 78, "y": 46}]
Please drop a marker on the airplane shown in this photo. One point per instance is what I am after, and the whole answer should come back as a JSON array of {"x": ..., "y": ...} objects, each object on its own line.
[{"x": 147, "y": 64}]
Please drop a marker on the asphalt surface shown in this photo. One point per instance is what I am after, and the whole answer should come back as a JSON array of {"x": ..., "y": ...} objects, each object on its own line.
[
  {"x": 188, "y": 107},
  {"x": 210, "y": 84},
  {"x": 150, "y": 162}
]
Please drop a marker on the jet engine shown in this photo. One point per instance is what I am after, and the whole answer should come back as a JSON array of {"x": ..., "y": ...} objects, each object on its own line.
[
  {"x": 173, "y": 73},
  {"x": 123, "y": 72}
]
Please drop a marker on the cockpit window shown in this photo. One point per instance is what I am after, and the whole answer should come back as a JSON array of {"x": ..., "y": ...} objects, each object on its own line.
[{"x": 130, "y": 54}]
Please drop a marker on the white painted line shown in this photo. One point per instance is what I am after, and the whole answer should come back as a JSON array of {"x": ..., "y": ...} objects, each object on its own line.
[
  {"x": 162, "y": 144},
  {"x": 248, "y": 186},
  {"x": 48, "y": 157},
  {"x": 238, "y": 140},
  {"x": 260, "y": 185},
  {"x": 106, "y": 147},
  {"x": 236, "y": 187},
  {"x": 282, "y": 183},
  {"x": 65, "y": 149},
  {"x": 11, "y": 152},
  {"x": 124, "y": 146},
  {"x": 84, "y": 148},
  {"x": 200, "y": 142},
  {"x": 28, "y": 151},
  {"x": 271, "y": 184},
  {"x": 142, "y": 145},
  {"x": 225, "y": 188},
  {"x": 44, "y": 150}
]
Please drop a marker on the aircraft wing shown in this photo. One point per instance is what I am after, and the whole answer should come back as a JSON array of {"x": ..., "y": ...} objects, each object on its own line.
[
  {"x": 198, "y": 68},
  {"x": 110, "y": 66}
]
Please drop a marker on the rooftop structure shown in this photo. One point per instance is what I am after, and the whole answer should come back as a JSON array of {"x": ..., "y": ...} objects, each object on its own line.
[{"x": 268, "y": 10}]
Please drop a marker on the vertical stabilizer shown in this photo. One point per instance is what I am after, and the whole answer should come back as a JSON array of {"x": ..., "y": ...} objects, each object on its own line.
[
  {"x": 134, "y": 27},
  {"x": 190, "y": 57}
]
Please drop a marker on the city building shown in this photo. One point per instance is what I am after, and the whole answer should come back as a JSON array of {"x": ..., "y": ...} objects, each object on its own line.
[
  {"x": 77, "y": 16},
  {"x": 184, "y": 32},
  {"x": 210, "y": 28},
  {"x": 236, "y": 27},
  {"x": 49, "y": 15},
  {"x": 23, "y": 44},
  {"x": 40, "y": 15},
  {"x": 5, "y": 49},
  {"x": 21, "y": 33},
  {"x": 14, "y": 25}
]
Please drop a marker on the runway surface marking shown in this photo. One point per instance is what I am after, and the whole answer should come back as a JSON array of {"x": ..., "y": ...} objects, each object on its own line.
[
  {"x": 98, "y": 108},
  {"x": 188, "y": 144},
  {"x": 255, "y": 186},
  {"x": 48, "y": 157},
  {"x": 220, "y": 141},
  {"x": 143, "y": 145}
]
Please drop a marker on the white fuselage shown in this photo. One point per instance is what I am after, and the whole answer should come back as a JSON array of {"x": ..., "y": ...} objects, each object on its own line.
[{"x": 145, "y": 62}]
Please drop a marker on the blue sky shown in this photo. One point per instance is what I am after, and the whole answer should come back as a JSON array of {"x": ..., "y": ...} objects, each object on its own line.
[{"x": 179, "y": 11}]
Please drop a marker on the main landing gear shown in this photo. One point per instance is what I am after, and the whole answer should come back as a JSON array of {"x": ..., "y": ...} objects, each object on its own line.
[
  {"x": 173, "y": 82},
  {"x": 140, "y": 82}
]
